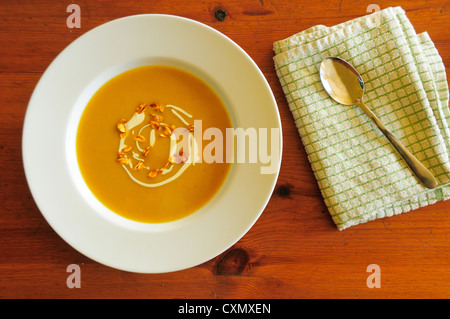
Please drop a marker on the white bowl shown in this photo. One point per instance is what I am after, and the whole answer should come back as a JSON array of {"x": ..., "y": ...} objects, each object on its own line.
[{"x": 49, "y": 143}]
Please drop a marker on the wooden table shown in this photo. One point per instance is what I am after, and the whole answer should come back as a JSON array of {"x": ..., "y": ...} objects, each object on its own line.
[{"x": 293, "y": 251}]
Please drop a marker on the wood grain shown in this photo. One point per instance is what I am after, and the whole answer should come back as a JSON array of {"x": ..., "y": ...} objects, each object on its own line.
[{"x": 293, "y": 250}]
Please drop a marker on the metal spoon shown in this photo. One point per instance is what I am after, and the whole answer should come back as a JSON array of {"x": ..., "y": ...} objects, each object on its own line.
[{"x": 344, "y": 84}]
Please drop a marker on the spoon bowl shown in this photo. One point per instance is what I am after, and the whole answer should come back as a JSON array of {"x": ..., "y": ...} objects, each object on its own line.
[
  {"x": 341, "y": 80},
  {"x": 345, "y": 85}
]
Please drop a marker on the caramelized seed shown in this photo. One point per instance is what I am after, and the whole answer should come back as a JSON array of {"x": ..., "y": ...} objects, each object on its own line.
[
  {"x": 153, "y": 173},
  {"x": 167, "y": 130},
  {"x": 162, "y": 135},
  {"x": 158, "y": 118},
  {"x": 172, "y": 159},
  {"x": 122, "y": 135},
  {"x": 157, "y": 107},
  {"x": 166, "y": 166},
  {"x": 139, "y": 138},
  {"x": 139, "y": 165},
  {"x": 126, "y": 149},
  {"x": 155, "y": 125},
  {"x": 121, "y": 127},
  {"x": 123, "y": 161},
  {"x": 141, "y": 108},
  {"x": 146, "y": 151},
  {"x": 190, "y": 128}
]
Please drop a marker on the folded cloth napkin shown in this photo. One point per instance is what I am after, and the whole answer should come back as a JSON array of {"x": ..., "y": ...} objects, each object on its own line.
[{"x": 360, "y": 174}]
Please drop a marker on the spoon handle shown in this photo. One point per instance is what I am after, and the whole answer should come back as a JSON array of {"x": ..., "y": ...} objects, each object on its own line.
[{"x": 422, "y": 173}]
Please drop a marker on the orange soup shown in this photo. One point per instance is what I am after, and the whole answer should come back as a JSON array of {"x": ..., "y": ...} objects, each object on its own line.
[{"x": 126, "y": 137}]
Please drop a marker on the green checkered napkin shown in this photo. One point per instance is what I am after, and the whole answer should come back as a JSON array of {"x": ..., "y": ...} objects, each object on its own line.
[{"x": 360, "y": 174}]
